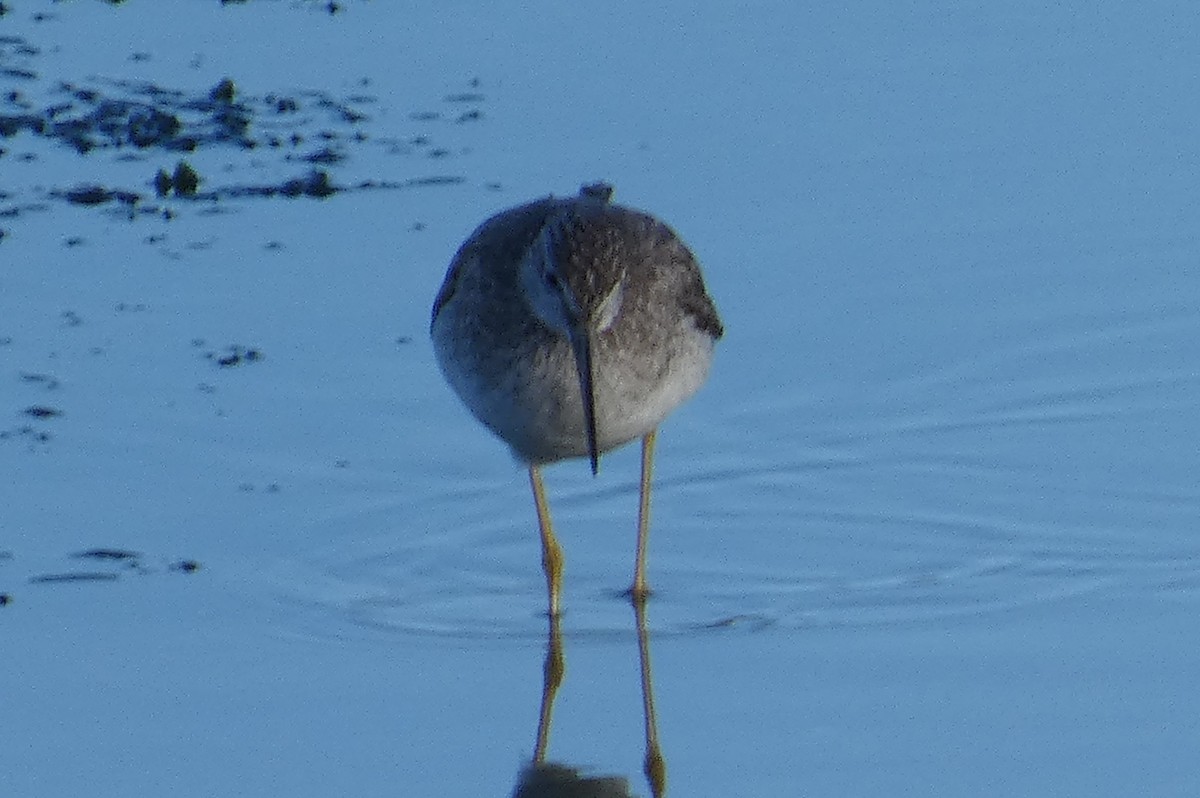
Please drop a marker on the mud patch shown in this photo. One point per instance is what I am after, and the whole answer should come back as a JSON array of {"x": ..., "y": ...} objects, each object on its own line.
[{"x": 288, "y": 143}]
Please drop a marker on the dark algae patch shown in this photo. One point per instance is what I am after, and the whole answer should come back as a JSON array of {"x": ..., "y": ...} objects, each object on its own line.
[{"x": 291, "y": 141}]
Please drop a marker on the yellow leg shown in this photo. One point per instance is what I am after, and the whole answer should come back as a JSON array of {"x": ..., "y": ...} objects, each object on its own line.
[
  {"x": 552, "y": 558},
  {"x": 641, "y": 590},
  {"x": 654, "y": 765},
  {"x": 552, "y": 676}
]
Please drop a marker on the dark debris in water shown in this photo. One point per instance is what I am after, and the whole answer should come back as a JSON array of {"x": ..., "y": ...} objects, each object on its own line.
[
  {"x": 5, "y": 598},
  {"x": 235, "y": 355},
  {"x": 105, "y": 564},
  {"x": 152, "y": 125},
  {"x": 249, "y": 487},
  {"x": 315, "y": 184},
  {"x": 33, "y": 435},
  {"x": 97, "y": 195},
  {"x": 330, "y": 7},
  {"x": 107, "y": 555},
  {"x": 184, "y": 181},
  {"x": 27, "y": 433},
  {"x": 74, "y": 576},
  {"x": 123, "y": 114},
  {"x": 46, "y": 381}
]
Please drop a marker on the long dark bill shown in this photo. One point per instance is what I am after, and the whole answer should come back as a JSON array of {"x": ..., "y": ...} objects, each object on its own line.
[{"x": 581, "y": 343}]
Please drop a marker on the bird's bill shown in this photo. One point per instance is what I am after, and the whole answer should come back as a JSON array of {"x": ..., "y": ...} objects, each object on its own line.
[{"x": 581, "y": 343}]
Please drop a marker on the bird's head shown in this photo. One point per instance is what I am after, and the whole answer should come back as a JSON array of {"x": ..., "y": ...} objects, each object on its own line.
[{"x": 573, "y": 279}]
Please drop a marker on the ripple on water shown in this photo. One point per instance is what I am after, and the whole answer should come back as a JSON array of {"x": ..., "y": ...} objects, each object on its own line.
[
  {"x": 1058, "y": 462},
  {"x": 804, "y": 568}
]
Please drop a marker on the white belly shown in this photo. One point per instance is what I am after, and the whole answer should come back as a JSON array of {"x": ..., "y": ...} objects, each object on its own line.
[{"x": 535, "y": 406}]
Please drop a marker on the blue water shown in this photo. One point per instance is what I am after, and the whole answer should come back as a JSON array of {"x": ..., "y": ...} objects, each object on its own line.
[{"x": 929, "y": 528}]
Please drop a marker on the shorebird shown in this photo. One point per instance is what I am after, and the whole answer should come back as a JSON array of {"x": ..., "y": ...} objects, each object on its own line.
[{"x": 569, "y": 327}]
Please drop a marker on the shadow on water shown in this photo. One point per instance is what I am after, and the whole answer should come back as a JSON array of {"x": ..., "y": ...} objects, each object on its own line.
[{"x": 542, "y": 778}]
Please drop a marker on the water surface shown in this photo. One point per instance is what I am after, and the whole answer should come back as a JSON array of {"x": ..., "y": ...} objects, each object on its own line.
[{"x": 930, "y": 527}]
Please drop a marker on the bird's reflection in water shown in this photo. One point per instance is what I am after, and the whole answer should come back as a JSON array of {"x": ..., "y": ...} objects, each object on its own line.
[
  {"x": 550, "y": 780},
  {"x": 543, "y": 779}
]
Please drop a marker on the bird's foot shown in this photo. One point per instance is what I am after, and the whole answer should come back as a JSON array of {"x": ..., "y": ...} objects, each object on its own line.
[{"x": 637, "y": 594}]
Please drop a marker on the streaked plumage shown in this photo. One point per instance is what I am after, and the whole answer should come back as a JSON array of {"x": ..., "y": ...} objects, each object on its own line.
[{"x": 570, "y": 327}]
